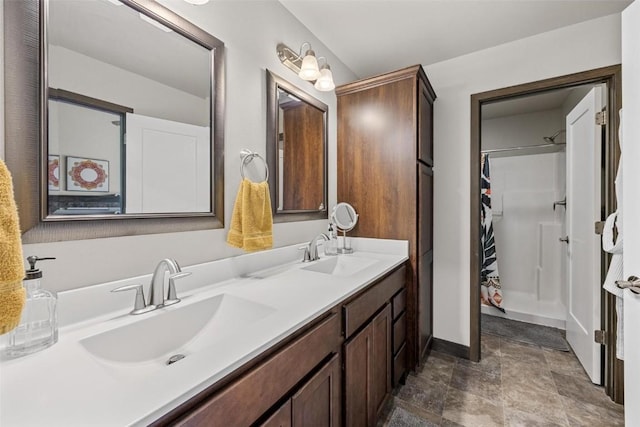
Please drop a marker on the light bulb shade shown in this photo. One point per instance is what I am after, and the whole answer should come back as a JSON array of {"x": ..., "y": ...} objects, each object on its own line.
[
  {"x": 325, "y": 81},
  {"x": 309, "y": 69}
]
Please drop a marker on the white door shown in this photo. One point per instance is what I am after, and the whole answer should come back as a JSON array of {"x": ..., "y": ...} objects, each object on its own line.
[
  {"x": 584, "y": 140},
  {"x": 631, "y": 206},
  {"x": 167, "y": 166}
]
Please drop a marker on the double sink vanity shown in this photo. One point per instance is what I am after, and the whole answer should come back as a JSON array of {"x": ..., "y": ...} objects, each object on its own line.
[{"x": 256, "y": 339}]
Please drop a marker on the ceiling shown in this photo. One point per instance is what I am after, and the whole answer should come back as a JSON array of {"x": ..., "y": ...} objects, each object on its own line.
[
  {"x": 376, "y": 36},
  {"x": 545, "y": 101}
]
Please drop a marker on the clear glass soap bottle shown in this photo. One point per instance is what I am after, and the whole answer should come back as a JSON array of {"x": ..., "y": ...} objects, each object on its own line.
[
  {"x": 331, "y": 246},
  {"x": 38, "y": 328}
]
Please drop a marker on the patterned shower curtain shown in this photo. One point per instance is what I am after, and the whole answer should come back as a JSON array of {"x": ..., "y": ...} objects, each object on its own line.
[{"x": 490, "y": 289}]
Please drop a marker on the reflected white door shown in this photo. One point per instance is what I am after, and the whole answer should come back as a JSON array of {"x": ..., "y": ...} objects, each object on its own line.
[
  {"x": 167, "y": 166},
  {"x": 584, "y": 140},
  {"x": 631, "y": 206}
]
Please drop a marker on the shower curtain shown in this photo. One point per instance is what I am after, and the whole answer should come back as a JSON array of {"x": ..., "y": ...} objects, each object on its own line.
[{"x": 490, "y": 289}]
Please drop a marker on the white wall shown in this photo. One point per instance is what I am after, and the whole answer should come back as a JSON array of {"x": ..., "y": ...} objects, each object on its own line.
[
  {"x": 579, "y": 47},
  {"x": 109, "y": 83},
  {"x": 520, "y": 130},
  {"x": 251, "y": 31},
  {"x": 529, "y": 253}
]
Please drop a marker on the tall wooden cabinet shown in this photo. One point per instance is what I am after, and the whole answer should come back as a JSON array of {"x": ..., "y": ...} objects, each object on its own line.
[{"x": 385, "y": 170}]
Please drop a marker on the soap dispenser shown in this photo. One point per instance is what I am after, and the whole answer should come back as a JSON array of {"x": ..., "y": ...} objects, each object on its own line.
[
  {"x": 38, "y": 328},
  {"x": 331, "y": 247}
]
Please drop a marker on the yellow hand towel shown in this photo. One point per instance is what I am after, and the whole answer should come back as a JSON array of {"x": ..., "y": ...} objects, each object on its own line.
[
  {"x": 251, "y": 220},
  {"x": 12, "y": 294}
]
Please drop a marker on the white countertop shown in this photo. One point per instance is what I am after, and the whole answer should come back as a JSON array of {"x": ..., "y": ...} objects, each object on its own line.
[{"x": 65, "y": 385}]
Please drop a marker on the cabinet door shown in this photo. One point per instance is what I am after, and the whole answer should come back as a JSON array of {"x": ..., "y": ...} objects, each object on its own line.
[
  {"x": 357, "y": 373},
  {"x": 381, "y": 360},
  {"x": 425, "y": 209},
  {"x": 425, "y": 125},
  {"x": 281, "y": 418},
  {"x": 317, "y": 403},
  {"x": 425, "y": 283},
  {"x": 303, "y": 160},
  {"x": 425, "y": 258},
  {"x": 368, "y": 371}
]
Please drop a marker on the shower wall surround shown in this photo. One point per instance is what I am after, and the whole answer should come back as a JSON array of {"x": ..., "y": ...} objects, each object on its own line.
[
  {"x": 530, "y": 257},
  {"x": 250, "y": 31}
]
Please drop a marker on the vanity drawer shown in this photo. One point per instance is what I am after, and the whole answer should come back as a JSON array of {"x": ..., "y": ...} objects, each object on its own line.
[
  {"x": 399, "y": 303},
  {"x": 245, "y": 400},
  {"x": 399, "y": 332},
  {"x": 358, "y": 311},
  {"x": 399, "y": 365}
]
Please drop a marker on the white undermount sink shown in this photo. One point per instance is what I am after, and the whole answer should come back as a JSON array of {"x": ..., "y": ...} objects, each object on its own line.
[
  {"x": 179, "y": 329},
  {"x": 341, "y": 265}
]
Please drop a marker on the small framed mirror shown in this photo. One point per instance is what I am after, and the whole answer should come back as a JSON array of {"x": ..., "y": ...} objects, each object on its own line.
[{"x": 296, "y": 152}]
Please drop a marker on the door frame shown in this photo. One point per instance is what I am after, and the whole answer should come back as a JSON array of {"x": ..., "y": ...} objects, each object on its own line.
[{"x": 612, "y": 76}]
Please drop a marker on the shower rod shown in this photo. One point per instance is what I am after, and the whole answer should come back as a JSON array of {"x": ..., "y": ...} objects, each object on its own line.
[{"x": 526, "y": 147}]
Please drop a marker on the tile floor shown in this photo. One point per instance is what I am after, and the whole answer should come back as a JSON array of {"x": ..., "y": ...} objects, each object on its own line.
[{"x": 514, "y": 384}]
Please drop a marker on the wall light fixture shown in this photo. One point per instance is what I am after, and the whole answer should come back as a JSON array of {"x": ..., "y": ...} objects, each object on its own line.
[{"x": 306, "y": 66}]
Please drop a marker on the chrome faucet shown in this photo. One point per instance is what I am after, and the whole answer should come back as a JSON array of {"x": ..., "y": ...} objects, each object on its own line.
[
  {"x": 311, "y": 250},
  {"x": 156, "y": 291}
]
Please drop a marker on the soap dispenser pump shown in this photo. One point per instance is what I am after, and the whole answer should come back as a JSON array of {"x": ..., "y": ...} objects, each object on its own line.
[{"x": 38, "y": 328}]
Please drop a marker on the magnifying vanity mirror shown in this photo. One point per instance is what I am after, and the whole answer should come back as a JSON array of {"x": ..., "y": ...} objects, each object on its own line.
[
  {"x": 296, "y": 152},
  {"x": 345, "y": 218},
  {"x": 130, "y": 101}
]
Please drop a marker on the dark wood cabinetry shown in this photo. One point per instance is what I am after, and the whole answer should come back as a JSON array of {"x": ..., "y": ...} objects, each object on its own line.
[
  {"x": 385, "y": 160},
  {"x": 245, "y": 400},
  {"x": 336, "y": 371},
  {"x": 280, "y": 418},
  {"x": 317, "y": 403},
  {"x": 302, "y": 142},
  {"x": 367, "y": 371},
  {"x": 399, "y": 316},
  {"x": 368, "y": 350}
]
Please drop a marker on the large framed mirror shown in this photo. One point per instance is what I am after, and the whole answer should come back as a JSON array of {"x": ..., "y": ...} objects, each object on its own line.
[
  {"x": 129, "y": 135},
  {"x": 296, "y": 152}
]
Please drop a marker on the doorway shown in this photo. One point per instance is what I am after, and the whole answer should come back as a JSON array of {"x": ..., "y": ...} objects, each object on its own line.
[{"x": 610, "y": 78}]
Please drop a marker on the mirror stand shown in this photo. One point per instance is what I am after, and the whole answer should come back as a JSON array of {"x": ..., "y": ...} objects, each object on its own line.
[{"x": 346, "y": 245}]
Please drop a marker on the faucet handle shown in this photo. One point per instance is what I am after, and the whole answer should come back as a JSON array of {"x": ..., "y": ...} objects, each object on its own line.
[
  {"x": 139, "y": 305},
  {"x": 172, "y": 297},
  {"x": 307, "y": 255}
]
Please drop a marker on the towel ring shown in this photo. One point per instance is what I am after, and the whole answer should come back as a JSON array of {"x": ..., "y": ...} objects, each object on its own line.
[{"x": 248, "y": 158}]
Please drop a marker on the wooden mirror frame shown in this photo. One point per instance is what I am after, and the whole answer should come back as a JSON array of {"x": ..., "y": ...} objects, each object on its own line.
[
  {"x": 26, "y": 95},
  {"x": 275, "y": 82}
]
